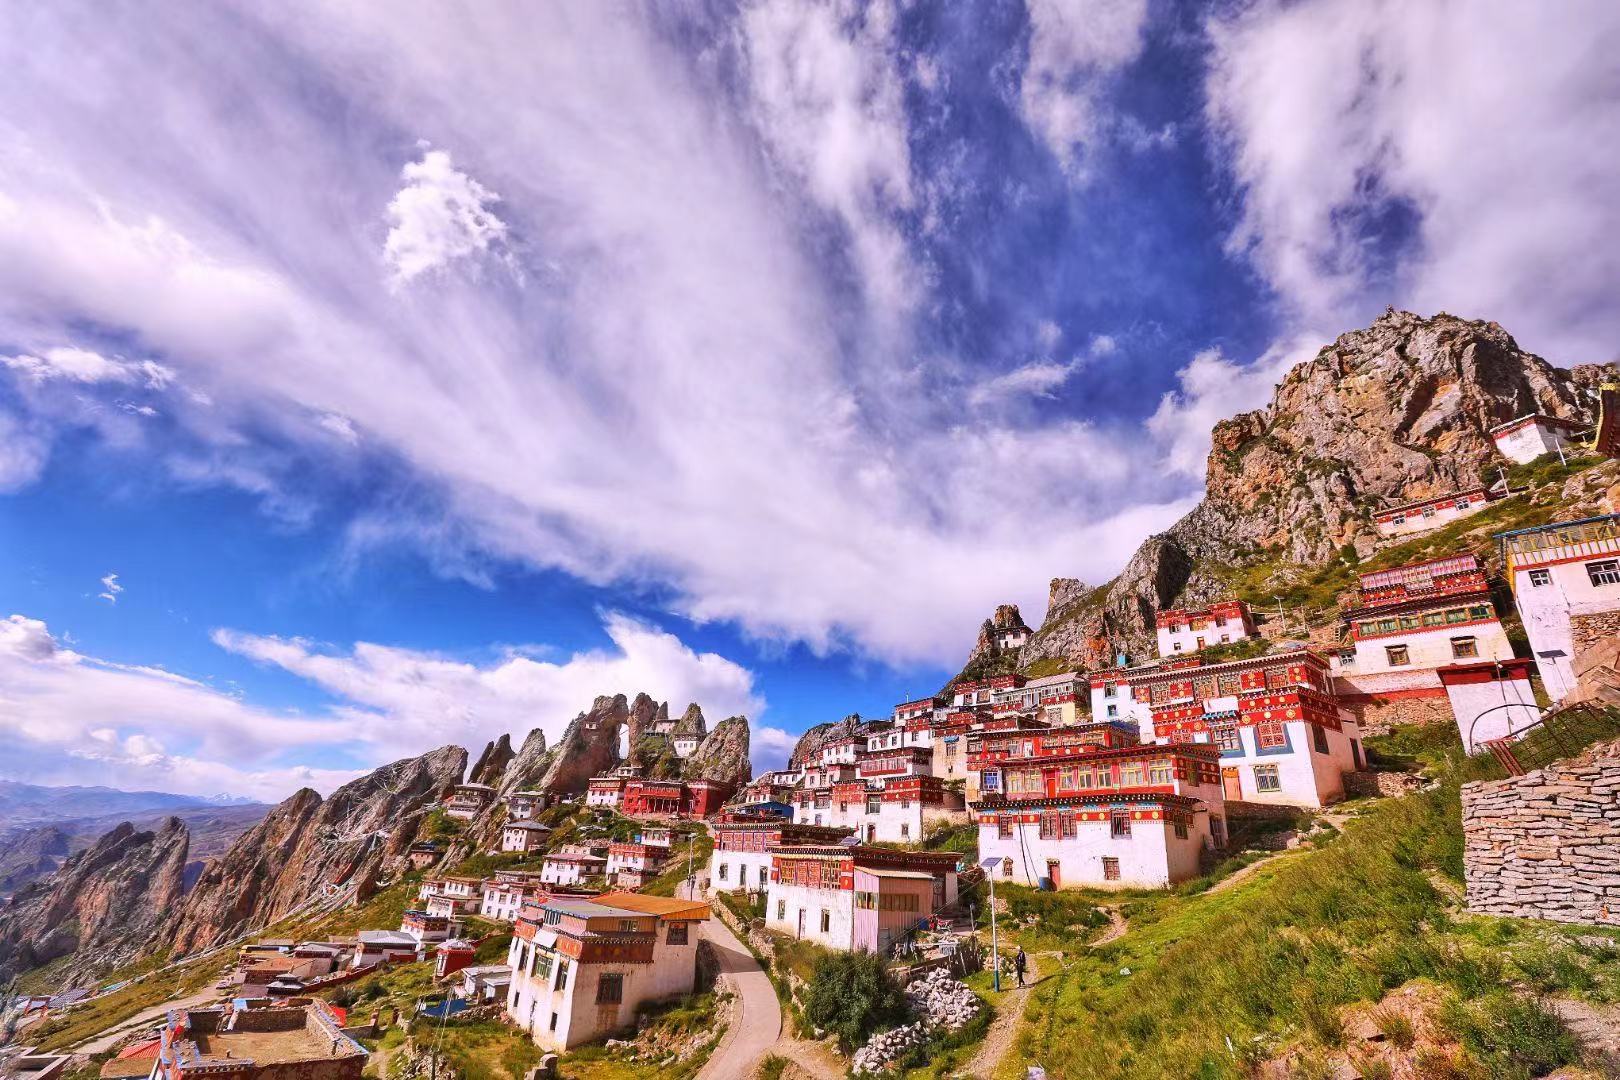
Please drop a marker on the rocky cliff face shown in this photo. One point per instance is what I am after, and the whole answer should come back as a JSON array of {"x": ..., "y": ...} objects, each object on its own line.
[
  {"x": 1396, "y": 412},
  {"x": 491, "y": 764},
  {"x": 29, "y": 854},
  {"x": 589, "y": 747},
  {"x": 645, "y": 715},
  {"x": 810, "y": 744},
  {"x": 723, "y": 754},
  {"x": 105, "y": 905},
  {"x": 306, "y": 843}
]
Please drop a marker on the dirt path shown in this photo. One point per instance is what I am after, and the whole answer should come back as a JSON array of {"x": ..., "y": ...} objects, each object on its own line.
[
  {"x": 758, "y": 1023},
  {"x": 1004, "y": 1027},
  {"x": 1595, "y": 1027},
  {"x": 146, "y": 1017},
  {"x": 1116, "y": 928},
  {"x": 810, "y": 1060}
]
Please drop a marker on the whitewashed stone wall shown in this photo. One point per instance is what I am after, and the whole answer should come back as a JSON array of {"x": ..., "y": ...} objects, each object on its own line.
[{"x": 1546, "y": 845}]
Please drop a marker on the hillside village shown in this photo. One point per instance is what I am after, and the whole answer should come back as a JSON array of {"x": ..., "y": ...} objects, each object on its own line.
[{"x": 1325, "y": 783}]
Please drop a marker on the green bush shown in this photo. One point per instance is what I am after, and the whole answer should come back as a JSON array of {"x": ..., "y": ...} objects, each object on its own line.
[
  {"x": 852, "y": 996},
  {"x": 1511, "y": 1035}
]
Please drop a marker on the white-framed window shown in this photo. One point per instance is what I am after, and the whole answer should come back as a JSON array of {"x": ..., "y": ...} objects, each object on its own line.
[
  {"x": 1464, "y": 648},
  {"x": 1398, "y": 655},
  {"x": 1113, "y": 711},
  {"x": 1398, "y": 519},
  {"x": 1175, "y": 646},
  {"x": 1266, "y": 778},
  {"x": 1604, "y": 572},
  {"x": 1538, "y": 578},
  {"x": 1110, "y": 690},
  {"x": 1428, "y": 511},
  {"x": 1463, "y": 504}
]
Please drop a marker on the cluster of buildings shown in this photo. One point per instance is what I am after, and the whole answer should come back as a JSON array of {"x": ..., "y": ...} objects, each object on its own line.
[
  {"x": 630, "y": 793},
  {"x": 258, "y": 1039}
]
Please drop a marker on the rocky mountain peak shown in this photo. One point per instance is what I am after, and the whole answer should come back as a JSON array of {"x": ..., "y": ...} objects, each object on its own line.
[
  {"x": 492, "y": 763},
  {"x": 103, "y": 907},
  {"x": 810, "y": 744},
  {"x": 588, "y": 747},
  {"x": 691, "y": 721},
  {"x": 723, "y": 754}
]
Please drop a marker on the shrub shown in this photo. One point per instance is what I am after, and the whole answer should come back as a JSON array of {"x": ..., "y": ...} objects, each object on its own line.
[
  {"x": 1397, "y": 1028},
  {"x": 852, "y": 996}
]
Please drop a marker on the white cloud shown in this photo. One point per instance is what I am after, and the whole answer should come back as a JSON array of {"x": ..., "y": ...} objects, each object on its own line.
[
  {"x": 440, "y": 215},
  {"x": 1212, "y": 388},
  {"x": 1037, "y": 379},
  {"x": 1072, "y": 48},
  {"x": 341, "y": 426},
  {"x": 72, "y": 718},
  {"x": 1479, "y": 132},
  {"x": 23, "y": 453},
  {"x": 409, "y": 696},
  {"x": 828, "y": 98},
  {"x": 110, "y": 589},
  {"x": 688, "y": 356},
  {"x": 85, "y": 366}
]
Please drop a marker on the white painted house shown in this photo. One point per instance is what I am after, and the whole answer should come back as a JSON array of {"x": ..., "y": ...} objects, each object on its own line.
[
  {"x": 1561, "y": 573},
  {"x": 1527, "y": 438},
  {"x": 1182, "y": 631},
  {"x": 1424, "y": 515}
]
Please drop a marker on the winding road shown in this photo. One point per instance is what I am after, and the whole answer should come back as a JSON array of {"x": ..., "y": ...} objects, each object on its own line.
[{"x": 758, "y": 1023}]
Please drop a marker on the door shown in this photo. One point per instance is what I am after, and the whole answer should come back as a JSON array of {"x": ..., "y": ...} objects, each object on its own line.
[
  {"x": 1054, "y": 873},
  {"x": 801, "y": 922},
  {"x": 1231, "y": 786}
]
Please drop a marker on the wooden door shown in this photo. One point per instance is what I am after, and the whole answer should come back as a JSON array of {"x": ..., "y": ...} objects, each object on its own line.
[
  {"x": 1231, "y": 786},
  {"x": 1054, "y": 872}
]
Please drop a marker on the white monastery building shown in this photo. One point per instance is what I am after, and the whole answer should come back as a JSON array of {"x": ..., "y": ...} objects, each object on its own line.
[
  {"x": 1424, "y": 515},
  {"x": 856, "y": 898},
  {"x": 1183, "y": 630},
  {"x": 1562, "y": 576},
  {"x": 1527, "y": 438}
]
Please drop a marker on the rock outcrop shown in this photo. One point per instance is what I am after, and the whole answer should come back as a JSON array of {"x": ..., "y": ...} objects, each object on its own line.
[
  {"x": 723, "y": 754},
  {"x": 1399, "y": 411},
  {"x": 589, "y": 747},
  {"x": 105, "y": 906},
  {"x": 810, "y": 744},
  {"x": 307, "y": 843},
  {"x": 29, "y": 854},
  {"x": 491, "y": 764},
  {"x": 646, "y": 716},
  {"x": 691, "y": 722}
]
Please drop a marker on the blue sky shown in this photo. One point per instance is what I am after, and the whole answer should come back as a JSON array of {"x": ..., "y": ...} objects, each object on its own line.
[{"x": 371, "y": 380}]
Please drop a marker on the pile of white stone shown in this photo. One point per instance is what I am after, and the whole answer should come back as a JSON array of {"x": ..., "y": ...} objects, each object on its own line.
[
  {"x": 887, "y": 1047},
  {"x": 938, "y": 1000}
]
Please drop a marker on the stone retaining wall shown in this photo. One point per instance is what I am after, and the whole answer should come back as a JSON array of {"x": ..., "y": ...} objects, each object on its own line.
[{"x": 1546, "y": 845}]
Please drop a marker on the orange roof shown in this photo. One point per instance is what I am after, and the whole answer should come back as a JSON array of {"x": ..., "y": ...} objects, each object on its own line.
[
  {"x": 665, "y": 907},
  {"x": 147, "y": 1049}
]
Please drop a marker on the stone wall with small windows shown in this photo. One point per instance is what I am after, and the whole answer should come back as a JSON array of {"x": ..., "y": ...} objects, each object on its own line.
[{"x": 1546, "y": 845}]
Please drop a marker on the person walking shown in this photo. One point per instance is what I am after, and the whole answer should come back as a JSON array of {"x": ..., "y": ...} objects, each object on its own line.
[{"x": 1020, "y": 962}]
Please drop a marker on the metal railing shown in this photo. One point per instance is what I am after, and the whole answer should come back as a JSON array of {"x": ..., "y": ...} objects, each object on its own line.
[{"x": 1553, "y": 736}]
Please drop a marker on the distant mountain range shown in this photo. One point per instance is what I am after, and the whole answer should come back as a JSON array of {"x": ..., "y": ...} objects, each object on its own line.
[
  {"x": 41, "y": 826},
  {"x": 36, "y": 804}
]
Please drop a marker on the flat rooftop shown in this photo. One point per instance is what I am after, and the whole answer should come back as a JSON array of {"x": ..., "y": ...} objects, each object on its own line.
[{"x": 268, "y": 1047}]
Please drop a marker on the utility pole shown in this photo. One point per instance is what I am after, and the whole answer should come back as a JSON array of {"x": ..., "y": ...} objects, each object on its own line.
[
  {"x": 691, "y": 890},
  {"x": 995, "y": 954}
]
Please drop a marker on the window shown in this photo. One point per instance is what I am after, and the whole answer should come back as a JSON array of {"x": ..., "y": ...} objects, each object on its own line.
[
  {"x": 1457, "y": 615},
  {"x": 1119, "y": 824},
  {"x": 1463, "y": 648},
  {"x": 1266, "y": 778},
  {"x": 781, "y": 910},
  {"x": 1604, "y": 572},
  {"x": 1110, "y": 690},
  {"x": 1226, "y": 736},
  {"x": 874, "y": 803},
  {"x": 1176, "y": 647},
  {"x": 1434, "y": 618},
  {"x": 1398, "y": 655},
  {"x": 1463, "y": 504},
  {"x": 1428, "y": 511},
  {"x": 1110, "y": 868},
  {"x": 629, "y": 926},
  {"x": 1006, "y": 868},
  {"x": 562, "y": 974},
  {"x": 1226, "y": 639},
  {"x": 724, "y": 871},
  {"x": 609, "y": 988},
  {"x": 905, "y": 831},
  {"x": 1538, "y": 578},
  {"x": 1319, "y": 738},
  {"x": 1130, "y": 775},
  {"x": 1398, "y": 519},
  {"x": 1270, "y": 735},
  {"x": 1069, "y": 823},
  {"x": 826, "y": 921},
  {"x": 1049, "y": 825},
  {"x": 1113, "y": 711},
  {"x": 1181, "y": 828},
  {"x": 1004, "y": 827},
  {"x": 553, "y": 1021},
  {"x": 676, "y": 935},
  {"x": 1161, "y": 773}
]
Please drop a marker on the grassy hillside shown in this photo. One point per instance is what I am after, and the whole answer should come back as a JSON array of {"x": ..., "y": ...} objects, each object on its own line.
[{"x": 1210, "y": 985}]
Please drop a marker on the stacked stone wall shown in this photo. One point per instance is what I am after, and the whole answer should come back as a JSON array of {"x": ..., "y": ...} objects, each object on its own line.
[
  {"x": 1378, "y": 716},
  {"x": 1546, "y": 845},
  {"x": 1593, "y": 630}
]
